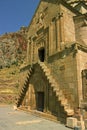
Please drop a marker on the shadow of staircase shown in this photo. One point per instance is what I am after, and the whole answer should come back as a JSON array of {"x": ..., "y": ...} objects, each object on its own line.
[
  {"x": 65, "y": 106},
  {"x": 24, "y": 89}
]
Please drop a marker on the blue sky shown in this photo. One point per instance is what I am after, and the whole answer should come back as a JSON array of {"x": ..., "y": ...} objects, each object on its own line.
[{"x": 16, "y": 13}]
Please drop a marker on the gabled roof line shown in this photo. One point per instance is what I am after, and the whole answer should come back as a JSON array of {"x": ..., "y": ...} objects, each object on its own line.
[
  {"x": 34, "y": 14},
  {"x": 59, "y": 1}
]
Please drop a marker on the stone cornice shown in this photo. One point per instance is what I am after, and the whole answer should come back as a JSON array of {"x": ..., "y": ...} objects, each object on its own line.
[
  {"x": 70, "y": 48},
  {"x": 82, "y": 47}
]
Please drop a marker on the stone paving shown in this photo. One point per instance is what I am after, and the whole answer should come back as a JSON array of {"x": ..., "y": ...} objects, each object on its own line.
[{"x": 19, "y": 120}]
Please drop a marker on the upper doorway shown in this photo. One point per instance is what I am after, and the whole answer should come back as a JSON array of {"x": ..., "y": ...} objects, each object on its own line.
[{"x": 41, "y": 54}]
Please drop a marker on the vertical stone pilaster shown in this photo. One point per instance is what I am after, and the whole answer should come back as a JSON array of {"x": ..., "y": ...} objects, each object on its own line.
[
  {"x": 50, "y": 38},
  {"x": 58, "y": 34},
  {"x": 32, "y": 54},
  {"x": 62, "y": 30},
  {"x": 47, "y": 45},
  {"x": 59, "y": 31},
  {"x": 35, "y": 52},
  {"x": 28, "y": 51},
  {"x": 79, "y": 81}
]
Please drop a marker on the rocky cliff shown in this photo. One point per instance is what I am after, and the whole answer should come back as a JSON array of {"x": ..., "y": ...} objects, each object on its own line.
[{"x": 13, "y": 48}]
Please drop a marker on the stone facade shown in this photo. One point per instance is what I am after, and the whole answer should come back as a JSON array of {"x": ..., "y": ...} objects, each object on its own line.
[{"x": 56, "y": 53}]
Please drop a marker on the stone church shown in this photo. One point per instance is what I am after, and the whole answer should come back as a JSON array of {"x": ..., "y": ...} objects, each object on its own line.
[{"x": 54, "y": 81}]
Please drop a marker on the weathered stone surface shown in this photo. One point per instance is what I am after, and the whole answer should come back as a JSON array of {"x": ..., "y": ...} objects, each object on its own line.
[
  {"x": 12, "y": 49},
  {"x": 71, "y": 122},
  {"x": 57, "y": 38},
  {"x": 86, "y": 123}
]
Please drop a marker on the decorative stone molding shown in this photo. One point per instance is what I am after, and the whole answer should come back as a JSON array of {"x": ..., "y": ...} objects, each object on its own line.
[{"x": 59, "y": 15}]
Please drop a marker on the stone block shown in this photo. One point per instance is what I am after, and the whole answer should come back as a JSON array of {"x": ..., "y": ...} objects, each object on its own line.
[
  {"x": 81, "y": 124},
  {"x": 77, "y": 128},
  {"x": 71, "y": 122},
  {"x": 85, "y": 123}
]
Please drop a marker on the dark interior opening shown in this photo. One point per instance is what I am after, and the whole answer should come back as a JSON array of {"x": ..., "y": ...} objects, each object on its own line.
[
  {"x": 41, "y": 53},
  {"x": 40, "y": 101}
]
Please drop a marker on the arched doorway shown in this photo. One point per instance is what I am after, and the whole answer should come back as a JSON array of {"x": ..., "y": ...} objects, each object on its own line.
[
  {"x": 40, "y": 101},
  {"x": 41, "y": 54}
]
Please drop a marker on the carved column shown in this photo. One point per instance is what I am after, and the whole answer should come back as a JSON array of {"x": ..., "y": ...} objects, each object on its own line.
[
  {"x": 51, "y": 38},
  {"x": 59, "y": 31},
  {"x": 58, "y": 34},
  {"x": 28, "y": 52},
  {"x": 46, "y": 44},
  {"x": 32, "y": 52},
  {"x": 30, "y": 55}
]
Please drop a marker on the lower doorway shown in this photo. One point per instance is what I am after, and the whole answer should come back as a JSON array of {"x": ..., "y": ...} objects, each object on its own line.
[{"x": 40, "y": 101}]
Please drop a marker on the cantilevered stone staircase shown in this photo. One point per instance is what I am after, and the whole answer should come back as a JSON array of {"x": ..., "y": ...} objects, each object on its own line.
[
  {"x": 56, "y": 88},
  {"x": 24, "y": 89},
  {"x": 62, "y": 101}
]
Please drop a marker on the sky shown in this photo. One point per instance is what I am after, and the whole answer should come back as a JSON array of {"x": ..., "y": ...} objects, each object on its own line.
[{"x": 15, "y": 14}]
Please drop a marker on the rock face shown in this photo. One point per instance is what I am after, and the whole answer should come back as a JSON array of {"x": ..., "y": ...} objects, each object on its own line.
[
  {"x": 12, "y": 49},
  {"x": 9, "y": 84}
]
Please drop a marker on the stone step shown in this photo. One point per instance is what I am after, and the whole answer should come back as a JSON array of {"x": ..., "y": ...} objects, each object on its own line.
[
  {"x": 30, "y": 70},
  {"x": 61, "y": 97},
  {"x": 52, "y": 82},
  {"x": 64, "y": 102},
  {"x": 57, "y": 93},
  {"x": 70, "y": 112},
  {"x": 46, "y": 70},
  {"x": 50, "y": 78},
  {"x": 23, "y": 90},
  {"x": 25, "y": 82},
  {"x": 56, "y": 89},
  {"x": 27, "y": 77},
  {"x": 66, "y": 106},
  {"x": 54, "y": 85},
  {"x": 47, "y": 74},
  {"x": 44, "y": 67},
  {"x": 29, "y": 73}
]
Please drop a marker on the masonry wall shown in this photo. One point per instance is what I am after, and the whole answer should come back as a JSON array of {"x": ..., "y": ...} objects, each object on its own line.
[
  {"x": 68, "y": 25},
  {"x": 61, "y": 30},
  {"x": 38, "y": 82},
  {"x": 49, "y": 11},
  {"x": 81, "y": 65},
  {"x": 59, "y": 20},
  {"x": 81, "y": 29},
  {"x": 65, "y": 72}
]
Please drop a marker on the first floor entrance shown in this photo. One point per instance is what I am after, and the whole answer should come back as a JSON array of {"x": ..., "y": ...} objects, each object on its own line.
[
  {"x": 41, "y": 54},
  {"x": 40, "y": 101}
]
